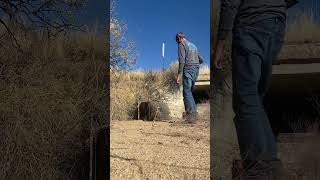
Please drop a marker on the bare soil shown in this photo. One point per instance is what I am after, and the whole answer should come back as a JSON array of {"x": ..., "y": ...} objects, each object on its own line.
[
  {"x": 299, "y": 153},
  {"x": 301, "y": 160},
  {"x": 160, "y": 150}
]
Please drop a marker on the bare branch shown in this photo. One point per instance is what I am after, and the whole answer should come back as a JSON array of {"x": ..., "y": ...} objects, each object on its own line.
[
  {"x": 10, "y": 33},
  {"x": 55, "y": 16}
]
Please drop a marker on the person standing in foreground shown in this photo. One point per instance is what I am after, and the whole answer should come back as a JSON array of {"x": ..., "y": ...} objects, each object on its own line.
[
  {"x": 189, "y": 60},
  {"x": 258, "y": 28}
]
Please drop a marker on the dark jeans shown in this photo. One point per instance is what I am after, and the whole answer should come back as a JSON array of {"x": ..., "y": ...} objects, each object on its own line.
[
  {"x": 254, "y": 50},
  {"x": 190, "y": 76}
]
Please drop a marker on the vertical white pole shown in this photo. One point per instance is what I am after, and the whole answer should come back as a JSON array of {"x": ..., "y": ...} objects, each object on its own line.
[{"x": 163, "y": 48}]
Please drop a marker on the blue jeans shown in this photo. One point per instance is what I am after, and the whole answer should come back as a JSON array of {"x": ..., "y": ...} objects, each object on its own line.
[
  {"x": 190, "y": 76},
  {"x": 254, "y": 49}
]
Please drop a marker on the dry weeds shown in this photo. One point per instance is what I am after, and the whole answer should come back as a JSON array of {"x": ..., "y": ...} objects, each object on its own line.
[
  {"x": 50, "y": 91},
  {"x": 303, "y": 29}
]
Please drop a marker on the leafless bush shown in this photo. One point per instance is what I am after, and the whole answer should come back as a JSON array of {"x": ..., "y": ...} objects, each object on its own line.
[
  {"x": 122, "y": 51},
  {"x": 51, "y": 16}
]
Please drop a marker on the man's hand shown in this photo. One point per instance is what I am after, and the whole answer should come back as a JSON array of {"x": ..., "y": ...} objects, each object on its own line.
[
  {"x": 218, "y": 55},
  {"x": 179, "y": 79}
]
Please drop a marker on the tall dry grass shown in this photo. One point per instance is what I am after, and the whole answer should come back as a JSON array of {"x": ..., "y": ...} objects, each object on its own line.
[
  {"x": 125, "y": 89},
  {"x": 129, "y": 88},
  {"x": 304, "y": 28},
  {"x": 50, "y": 90},
  {"x": 204, "y": 69}
]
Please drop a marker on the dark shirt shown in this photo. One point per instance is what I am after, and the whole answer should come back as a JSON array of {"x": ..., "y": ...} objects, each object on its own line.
[
  {"x": 238, "y": 13},
  {"x": 188, "y": 56}
]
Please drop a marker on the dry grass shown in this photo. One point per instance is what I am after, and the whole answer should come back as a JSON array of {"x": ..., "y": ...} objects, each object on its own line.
[
  {"x": 303, "y": 29},
  {"x": 204, "y": 69},
  {"x": 125, "y": 88},
  {"x": 130, "y": 88},
  {"x": 302, "y": 38},
  {"x": 50, "y": 91}
]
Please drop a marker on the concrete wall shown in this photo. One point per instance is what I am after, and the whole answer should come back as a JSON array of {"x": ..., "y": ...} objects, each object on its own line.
[{"x": 175, "y": 104}]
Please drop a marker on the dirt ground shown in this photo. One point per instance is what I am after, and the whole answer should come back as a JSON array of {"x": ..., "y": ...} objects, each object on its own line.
[
  {"x": 301, "y": 160},
  {"x": 300, "y": 153},
  {"x": 160, "y": 150}
]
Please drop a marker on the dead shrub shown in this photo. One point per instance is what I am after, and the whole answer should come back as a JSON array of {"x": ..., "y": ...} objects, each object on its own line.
[{"x": 50, "y": 90}]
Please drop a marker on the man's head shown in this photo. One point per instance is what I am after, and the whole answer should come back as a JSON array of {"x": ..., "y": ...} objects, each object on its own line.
[{"x": 180, "y": 37}]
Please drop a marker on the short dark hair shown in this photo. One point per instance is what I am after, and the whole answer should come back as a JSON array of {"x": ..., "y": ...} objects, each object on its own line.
[{"x": 180, "y": 34}]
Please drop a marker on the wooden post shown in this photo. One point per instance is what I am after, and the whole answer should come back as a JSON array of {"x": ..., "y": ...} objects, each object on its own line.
[
  {"x": 92, "y": 153},
  {"x": 102, "y": 154},
  {"x": 138, "y": 110}
]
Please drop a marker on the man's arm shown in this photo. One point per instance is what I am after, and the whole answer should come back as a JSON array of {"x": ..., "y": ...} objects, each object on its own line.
[
  {"x": 182, "y": 58},
  {"x": 228, "y": 12},
  {"x": 200, "y": 58}
]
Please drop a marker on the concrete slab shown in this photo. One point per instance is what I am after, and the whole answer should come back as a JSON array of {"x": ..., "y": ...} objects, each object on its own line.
[
  {"x": 296, "y": 76},
  {"x": 296, "y": 68}
]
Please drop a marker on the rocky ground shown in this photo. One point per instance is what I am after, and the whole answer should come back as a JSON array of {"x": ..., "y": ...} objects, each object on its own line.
[
  {"x": 168, "y": 149},
  {"x": 301, "y": 159},
  {"x": 300, "y": 152}
]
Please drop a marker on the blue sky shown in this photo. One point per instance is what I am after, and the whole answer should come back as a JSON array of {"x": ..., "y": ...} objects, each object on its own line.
[
  {"x": 152, "y": 22},
  {"x": 96, "y": 10}
]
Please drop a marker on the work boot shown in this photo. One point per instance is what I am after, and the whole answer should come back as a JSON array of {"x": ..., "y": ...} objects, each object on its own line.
[
  {"x": 238, "y": 169},
  {"x": 192, "y": 117},
  {"x": 262, "y": 170}
]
